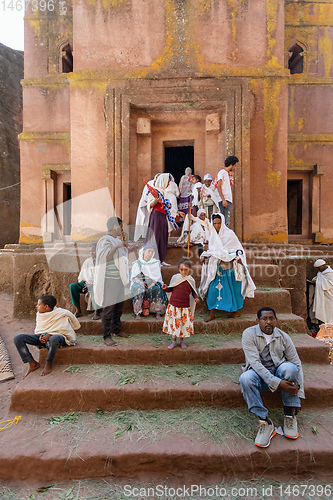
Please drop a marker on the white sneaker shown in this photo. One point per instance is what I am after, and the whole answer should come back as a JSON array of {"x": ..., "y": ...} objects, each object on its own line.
[
  {"x": 165, "y": 264},
  {"x": 265, "y": 433},
  {"x": 290, "y": 427}
]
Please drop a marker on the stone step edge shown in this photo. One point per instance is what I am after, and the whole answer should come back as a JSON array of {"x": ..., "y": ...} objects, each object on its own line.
[
  {"x": 290, "y": 323},
  {"x": 41, "y": 396},
  {"x": 310, "y": 350},
  {"x": 302, "y": 457}
]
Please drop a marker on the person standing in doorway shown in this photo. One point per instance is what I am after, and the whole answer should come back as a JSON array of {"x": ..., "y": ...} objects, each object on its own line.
[{"x": 223, "y": 186}]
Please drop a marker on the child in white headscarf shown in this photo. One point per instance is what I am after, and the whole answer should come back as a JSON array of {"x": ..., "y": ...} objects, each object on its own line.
[{"x": 178, "y": 320}]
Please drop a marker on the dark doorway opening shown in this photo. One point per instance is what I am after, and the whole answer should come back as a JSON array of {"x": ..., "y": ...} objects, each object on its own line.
[
  {"x": 294, "y": 204},
  {"x": 295, "y": 63},
  {"x": 67, "y": 213},
  {"x": 177, "y": 159}
]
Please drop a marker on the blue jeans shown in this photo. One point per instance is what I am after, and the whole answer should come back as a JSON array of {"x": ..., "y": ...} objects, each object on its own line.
[
  {"x": 225, "y": 211},
  {"x": 251, "y": 385},
  {"x": 53, "y": 344}
]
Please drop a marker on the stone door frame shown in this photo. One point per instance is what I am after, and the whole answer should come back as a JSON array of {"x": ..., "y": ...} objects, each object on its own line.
[{"x": 233, "y": 93}]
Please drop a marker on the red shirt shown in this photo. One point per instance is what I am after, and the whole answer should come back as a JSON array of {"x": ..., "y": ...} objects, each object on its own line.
[
  {"x": 159, "y": 207},
  {"x": 180, "y": 296}
]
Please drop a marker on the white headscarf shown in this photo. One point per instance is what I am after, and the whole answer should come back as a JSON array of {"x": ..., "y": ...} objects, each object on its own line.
[
  {"x": 151, "y": 268},
  {"x": 161, "y": 183}
]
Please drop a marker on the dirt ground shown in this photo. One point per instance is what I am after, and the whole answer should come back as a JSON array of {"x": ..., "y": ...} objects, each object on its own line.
[{"x": 9, "y": 327}]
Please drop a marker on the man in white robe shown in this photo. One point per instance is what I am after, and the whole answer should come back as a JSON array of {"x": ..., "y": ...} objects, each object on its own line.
[{"x": 323, "y": 299}]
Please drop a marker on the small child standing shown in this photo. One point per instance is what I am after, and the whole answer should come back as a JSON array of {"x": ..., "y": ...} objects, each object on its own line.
[
  {"x": 196, "y": 188},
  {"x": 54, "y": 328},
  {"x": 178, "y": 320}
]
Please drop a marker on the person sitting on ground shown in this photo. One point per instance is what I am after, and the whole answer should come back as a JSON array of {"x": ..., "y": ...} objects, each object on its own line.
[
  {"x": 323, "y": 295},
  {"x": 146, "y": 284},
  {"x": 272, "y": 362},
  {"x": 85, "y": 285},
  {"x": 200, "y": 229},
  {"x": 209, "y": 196},
  {"x": 225, "y": 279},
  {"x": 196, "y": 188},
  {"x": 54, "y": 328},
  {"x": 178, "y": 320}
]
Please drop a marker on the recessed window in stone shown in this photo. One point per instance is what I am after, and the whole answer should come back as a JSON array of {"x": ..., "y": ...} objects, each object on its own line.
[
  {"x": 295, "y": 63},
  {"x": 67, "y": 59}
]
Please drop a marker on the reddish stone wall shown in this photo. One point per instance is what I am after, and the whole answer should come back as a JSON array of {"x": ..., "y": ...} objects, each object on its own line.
[{"x": 196, "y": 49}]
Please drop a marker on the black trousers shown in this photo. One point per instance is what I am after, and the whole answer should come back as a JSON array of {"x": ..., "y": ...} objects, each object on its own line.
[{"x": 113, "y": 306}]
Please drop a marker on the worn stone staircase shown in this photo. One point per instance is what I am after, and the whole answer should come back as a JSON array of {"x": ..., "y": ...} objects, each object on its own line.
[{"x": 142, "y": 409}]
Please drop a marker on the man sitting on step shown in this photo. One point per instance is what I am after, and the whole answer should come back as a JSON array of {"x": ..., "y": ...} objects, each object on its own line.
[
  {"x": 54, "y": 328},
  {"x": 271, "y": 363},
  {"x": 84, "y": 284}
]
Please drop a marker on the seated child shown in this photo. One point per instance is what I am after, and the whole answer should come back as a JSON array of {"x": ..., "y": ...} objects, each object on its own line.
[
  {"x": 178, "y": 320},
  {"x": 54, "y": 328}
]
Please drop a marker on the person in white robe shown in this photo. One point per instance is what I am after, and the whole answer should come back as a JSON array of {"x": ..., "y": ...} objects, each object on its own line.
[
  {"x": 142, "y": 215},
  {"x": 84, "y": 285},
  {"x": 55, "y": 327},
  {"x": 209, "y": 196},
  {"x": 110, "y": 278},
  {"x": 146, "y": 284},
  {"x": 225, "y": 279},
  {"x": 200, "y": 229},
  {"x": 323, "y": 297}
]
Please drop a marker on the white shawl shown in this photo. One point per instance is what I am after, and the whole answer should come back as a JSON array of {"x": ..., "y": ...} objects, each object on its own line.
[
  {"x": 161, "y": 184},
  {"x": 142, "y": 215},
  {"x": 223, "y": 246},
  {"x": 176, "y": 280},
  {"x": 205, "y": 191},
  {"x": 104, "y": 246},
  {"x": 323, "y": 299},
  {"x": 58, "y": 321},
  {"x": 87, "y": 271},
  {"x": 200, "y": 229},
  {"x": 171, "y": 193},
  {"x": 150, "y": 269}
]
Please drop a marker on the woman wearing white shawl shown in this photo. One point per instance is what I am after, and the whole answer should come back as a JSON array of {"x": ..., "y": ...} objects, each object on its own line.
[
  {"x": 146, "y": 284},
  {"x": 200, "y": 229},
  {"x": 225, "y": 279},
  {"x": 161, "y": 212},
  {"x": 142, "y": 215}
]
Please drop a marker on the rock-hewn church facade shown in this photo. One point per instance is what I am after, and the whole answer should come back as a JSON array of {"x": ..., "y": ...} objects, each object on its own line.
[{"x": 111, "y": 87}]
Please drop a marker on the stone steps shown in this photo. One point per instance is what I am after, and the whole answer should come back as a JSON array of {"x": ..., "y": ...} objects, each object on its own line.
[
  {"x": 279, "y": 299},
  {"x": 147, "y": 387},
  {"x": 290, "y": 323},
  {"x": 264, "y": 275},
  {"x": 216, "y": 444},
  {"x": 152, "y": 349}
]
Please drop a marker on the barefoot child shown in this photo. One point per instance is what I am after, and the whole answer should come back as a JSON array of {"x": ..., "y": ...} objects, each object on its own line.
[
  {"x": 54, "y": 328},
  {"x": 178, "y": 320}
]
